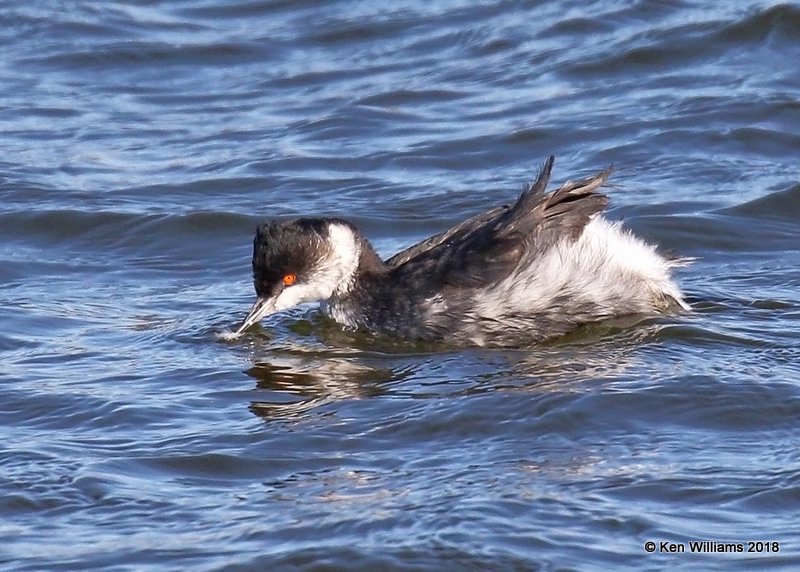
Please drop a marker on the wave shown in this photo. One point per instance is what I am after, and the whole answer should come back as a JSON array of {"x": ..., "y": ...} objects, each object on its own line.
[
  {"x": 781, "y": 22},
  {"x": 74, "y": 224},
  {"x": 780, "y": 205},
  {"x": 676, "y": 42}
]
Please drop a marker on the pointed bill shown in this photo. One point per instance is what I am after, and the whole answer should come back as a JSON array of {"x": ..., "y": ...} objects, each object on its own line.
[{"x": 262, "y": 307}]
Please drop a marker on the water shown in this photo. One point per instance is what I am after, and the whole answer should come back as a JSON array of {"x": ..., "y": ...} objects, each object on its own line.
[{"x": 142, "y": 142}]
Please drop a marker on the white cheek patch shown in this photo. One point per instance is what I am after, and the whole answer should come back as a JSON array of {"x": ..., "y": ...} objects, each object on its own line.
[{"x": 291, "y": 296}]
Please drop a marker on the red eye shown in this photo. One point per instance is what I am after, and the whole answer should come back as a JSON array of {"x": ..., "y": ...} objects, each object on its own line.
[{"x": 289, "y": 279}]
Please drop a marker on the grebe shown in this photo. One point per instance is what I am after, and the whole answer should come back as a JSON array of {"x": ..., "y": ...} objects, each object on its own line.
[{"x": 513, "y": 275}]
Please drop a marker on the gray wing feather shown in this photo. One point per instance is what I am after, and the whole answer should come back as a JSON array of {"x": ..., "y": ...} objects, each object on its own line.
[{"x": 454, "y": 232}]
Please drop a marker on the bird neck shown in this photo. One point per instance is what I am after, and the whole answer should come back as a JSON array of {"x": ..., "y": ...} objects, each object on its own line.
[{"x": 353, "y": 256}]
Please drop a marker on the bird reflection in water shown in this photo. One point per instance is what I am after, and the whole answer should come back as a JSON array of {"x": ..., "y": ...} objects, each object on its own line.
[
  {"x": 295, "y": 380},
  {"x": 294, "y": 385}
]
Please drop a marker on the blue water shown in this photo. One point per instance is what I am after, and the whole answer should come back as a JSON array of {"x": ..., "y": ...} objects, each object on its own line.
[{"x": 142, "y": 142}]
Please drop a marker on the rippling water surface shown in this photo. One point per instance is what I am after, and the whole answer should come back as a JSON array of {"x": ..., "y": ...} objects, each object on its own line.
[{"x": 142, "y": 142}]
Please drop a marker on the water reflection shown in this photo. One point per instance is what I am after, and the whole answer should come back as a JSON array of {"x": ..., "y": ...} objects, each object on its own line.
[
  {"x": 297, "y": 375},
  {"x": 294, "y": 384}
]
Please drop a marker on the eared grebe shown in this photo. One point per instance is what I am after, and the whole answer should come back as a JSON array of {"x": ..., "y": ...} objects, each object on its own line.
[{"x": 513, "y": 275}]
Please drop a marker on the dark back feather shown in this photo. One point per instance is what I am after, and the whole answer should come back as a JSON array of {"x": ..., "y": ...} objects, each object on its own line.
[{"x": 489, "y": 246}]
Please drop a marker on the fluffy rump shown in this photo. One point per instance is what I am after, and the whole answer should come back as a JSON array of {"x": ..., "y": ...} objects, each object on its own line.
[{"x": 605, "y": 272}]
